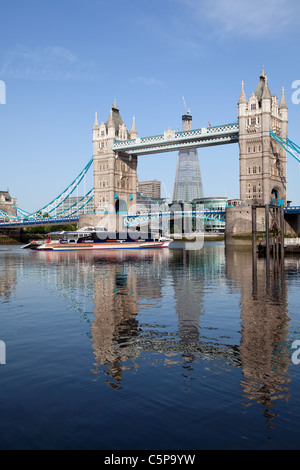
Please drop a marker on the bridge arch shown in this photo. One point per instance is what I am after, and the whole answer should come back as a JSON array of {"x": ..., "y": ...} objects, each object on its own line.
[
  {"x": 276, "y": 195},
  {"x": 121, "y": 206}
]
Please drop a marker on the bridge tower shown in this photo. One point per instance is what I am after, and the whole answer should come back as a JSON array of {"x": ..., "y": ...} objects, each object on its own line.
[
  {"x": 262, "y": 160},
  {"x": 115, "y": 174}
]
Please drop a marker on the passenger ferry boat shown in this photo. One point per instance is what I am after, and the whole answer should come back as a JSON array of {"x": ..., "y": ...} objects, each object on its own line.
[{"x": 99, "y": 239}]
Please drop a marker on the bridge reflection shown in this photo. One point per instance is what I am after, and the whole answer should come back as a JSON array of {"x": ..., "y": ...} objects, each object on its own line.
[{"x": 171, "y": 308}]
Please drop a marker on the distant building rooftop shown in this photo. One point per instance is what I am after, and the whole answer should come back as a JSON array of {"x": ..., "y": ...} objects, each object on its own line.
[
  {"x": 7, "y": 203},
  {"x": 5, "y": 195}
]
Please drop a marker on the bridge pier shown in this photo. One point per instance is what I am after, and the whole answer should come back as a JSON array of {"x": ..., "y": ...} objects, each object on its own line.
[
  {"x": 238, "y": 228},
  {"x": 239, "y": 225},
  {"x": 292, "y": 223}
]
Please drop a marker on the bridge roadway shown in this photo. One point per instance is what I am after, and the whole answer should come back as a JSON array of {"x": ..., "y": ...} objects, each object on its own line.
[
  {"x": 129, "y": 220},
  {"x": 134, "y": 219},
  {"x": 292, "y": 210}
]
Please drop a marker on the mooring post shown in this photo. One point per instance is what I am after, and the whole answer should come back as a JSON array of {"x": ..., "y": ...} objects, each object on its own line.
[
  {"x": 276, "y": 231},
  {"x": 267, "y": 230},
  {"x": 282, "y": 232},
  {"x": 254, "y": 230},
  {"x": 254, "y": 249}
]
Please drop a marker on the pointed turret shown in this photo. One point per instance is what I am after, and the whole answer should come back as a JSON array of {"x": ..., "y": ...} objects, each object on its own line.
[
  {"x": 266, "y": 91},
  {"x": 133, "y": 129},
  {"x": 283, "y": 111},
  {"x": 262, "y": 89},
  {"x": 110, "y": 121},
  {"x": 243, "y": 99},
  {"x": 96, "y": 124},
  {"x": 115, "y": 120},
  {"x": 283, "y": 104}
]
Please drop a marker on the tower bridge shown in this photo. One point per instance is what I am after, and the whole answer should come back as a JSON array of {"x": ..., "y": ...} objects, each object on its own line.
[{"x": 261, "y": 133}]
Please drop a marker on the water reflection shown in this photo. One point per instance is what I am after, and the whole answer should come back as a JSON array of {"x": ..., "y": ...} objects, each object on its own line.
[
  {"x": 265, "y": 359},
  {"x": 115, "y": 327},
  {"x": 8, "y": 276},
  {"x": 151, "y": 307}
]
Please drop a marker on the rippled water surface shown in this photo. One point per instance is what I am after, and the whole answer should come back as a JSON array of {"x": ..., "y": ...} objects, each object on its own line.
[{"x": 159, "y": 349}]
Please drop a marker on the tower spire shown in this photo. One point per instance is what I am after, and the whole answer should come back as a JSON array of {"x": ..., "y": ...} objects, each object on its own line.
[
  {"x": 266, "y": 91},
  {"x": 96, "y": 124},
  {"x": 110, "y": 121},
  {"x": 283, "y": 104},
  {"x": 115, "y": 105},
  {"x": 243, "y": 98},
  {"x": 133, "y": 129},
  {"x": 263, "y": 74}
]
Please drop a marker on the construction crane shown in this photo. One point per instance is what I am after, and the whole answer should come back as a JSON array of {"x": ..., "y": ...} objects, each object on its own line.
[{"x": 187, "y": 110}]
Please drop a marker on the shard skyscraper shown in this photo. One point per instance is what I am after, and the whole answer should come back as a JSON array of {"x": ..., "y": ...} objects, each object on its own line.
[{"x": 188, "y": 181}]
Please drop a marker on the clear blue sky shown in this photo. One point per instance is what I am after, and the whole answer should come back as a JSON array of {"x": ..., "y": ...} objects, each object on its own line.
[{"x": 64, "y": 60}]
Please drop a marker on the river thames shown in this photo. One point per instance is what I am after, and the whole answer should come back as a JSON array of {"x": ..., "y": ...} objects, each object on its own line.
[{"x": 159, "y": 349}]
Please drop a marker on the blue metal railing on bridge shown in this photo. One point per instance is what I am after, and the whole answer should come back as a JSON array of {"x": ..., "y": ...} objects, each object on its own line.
[
  {"x": 292, "y": 210},
  {"x": 136, "y": 219},
  {"x": 45, "y": 221}
]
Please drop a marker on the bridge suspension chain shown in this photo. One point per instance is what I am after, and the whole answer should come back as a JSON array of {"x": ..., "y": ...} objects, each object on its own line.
[
  {"x": 58, "y": 201},
  {"x": 288, "y": 146},
  {"x": 75, "y": 208},
  {"x": 53, "y": 205}
]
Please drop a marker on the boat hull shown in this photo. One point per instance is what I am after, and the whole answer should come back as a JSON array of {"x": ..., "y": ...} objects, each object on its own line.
[{"x": 103, "y": 246}]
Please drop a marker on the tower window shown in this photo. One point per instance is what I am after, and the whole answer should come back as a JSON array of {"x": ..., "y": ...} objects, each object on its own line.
[{"x": 253, "y": 107}]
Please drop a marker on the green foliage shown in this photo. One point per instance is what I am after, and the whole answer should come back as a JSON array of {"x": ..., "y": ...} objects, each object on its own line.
[{"x": 44, "y": 229}]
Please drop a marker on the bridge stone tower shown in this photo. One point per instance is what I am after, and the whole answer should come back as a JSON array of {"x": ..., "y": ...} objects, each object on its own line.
[
  {"x": 115, "y": 175},
  {"x": 262, "y": 160}
]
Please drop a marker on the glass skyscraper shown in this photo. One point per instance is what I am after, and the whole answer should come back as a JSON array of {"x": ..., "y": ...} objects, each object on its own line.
[{"x": 188, "y": 181}]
